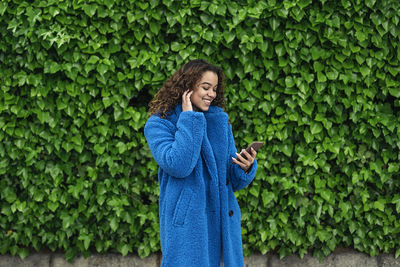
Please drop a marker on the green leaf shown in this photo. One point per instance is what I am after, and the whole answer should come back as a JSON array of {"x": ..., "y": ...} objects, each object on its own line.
[
  {"x": 86, "y": 240},
  {"x": 67, "y": 221},
  {"x": 23, "y": 253},
  {"x": 327, "y": 195},
  {"x": 124, "y": 249},
  {"x": 51, "y": 67},
  {"x": 121, "y": 76},
  {"x": 304, "y": 3},
  {"x": 267, "y": 197},
  {"x": 289, "y": 82},
  {"x": 249, "y": 85},
  {"x": 175, "y": 46},
  {"x": 9, "y": 194},
  {"x": 380, "y": 204},
  {"x": 114, "y": 223},
  {"x": 254, "y": 191},
  {"x": 332, "y": 74},
  {"x": 206, "y": 19},
  {"x": 155, "y": 27},
  {"x": 67, "y": 146},
  {"x": 274, "y": 23},
  {"x": 365, "y": 71},
  {"x": 33, "y": 14},
  {"x": 345, "y": 207},
  {"x": 90, "y": 10},
  {"x": 229, "y": 36},
  {"x": 316, "y": 53},
  {"x": 242, "y": 14},
  {"x": 248, "y": 105},
  {"x": 361, "y": 36},
  {"x": 315, "y": 127},
  {"x": 318, "y": 67},
  {"x": 99, "y": 148},
  {"x": 107, "y": 101},
  {"x": 308, "y": 108},
  {"x": 284, "y": 217},
  {"x": 321, "y": 77},
  {"x": 121, "y": 147},
  {"x": 393, "y": 167},
  {"x": 395, "y": 92},
  {"x": 3, "y": 7},
  {"x": 370, "y": 3},
  {"x": 93, "y": 59},
  {"x": 102, "y": 68},
  {"x": 287, "y": 149},
  {"x": 52, "y": 205},
  {"x": 397, "y": 253},
  {"x": 280, "y": 50},
  {"x": 334, "y": 147}
]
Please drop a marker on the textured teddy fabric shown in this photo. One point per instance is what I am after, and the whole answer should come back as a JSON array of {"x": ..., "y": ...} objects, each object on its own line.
[{"x": 198, "y": 211}]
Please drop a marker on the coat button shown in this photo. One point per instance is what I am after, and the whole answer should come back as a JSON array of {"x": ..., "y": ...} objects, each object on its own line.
[
  {"x": 227, "y": 181},
  {"x": 230, "y": 213}
]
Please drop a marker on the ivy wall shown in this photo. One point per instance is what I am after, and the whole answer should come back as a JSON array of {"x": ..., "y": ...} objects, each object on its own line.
[{"x": 318, "y": 81}]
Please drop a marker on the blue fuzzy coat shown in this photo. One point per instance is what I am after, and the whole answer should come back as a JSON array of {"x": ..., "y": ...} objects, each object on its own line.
[{"x": 199, "y": 214}]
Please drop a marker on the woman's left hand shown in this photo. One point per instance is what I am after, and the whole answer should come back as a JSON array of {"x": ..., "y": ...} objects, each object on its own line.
[{"x": 245, "y": 162}]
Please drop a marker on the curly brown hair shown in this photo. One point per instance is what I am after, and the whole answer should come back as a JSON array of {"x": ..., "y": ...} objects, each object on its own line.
[{"x": 170, "y": 95}]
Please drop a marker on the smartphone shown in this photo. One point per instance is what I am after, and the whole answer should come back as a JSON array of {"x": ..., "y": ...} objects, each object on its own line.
[{"x": 255, "y": 145}]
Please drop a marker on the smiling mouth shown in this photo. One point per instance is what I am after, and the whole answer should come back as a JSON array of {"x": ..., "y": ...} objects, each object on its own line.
[{"x": 207, "y": 101}]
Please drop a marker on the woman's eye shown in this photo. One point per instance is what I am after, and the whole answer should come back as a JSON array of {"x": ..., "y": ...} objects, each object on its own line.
[{"x": 205, "y": 88}]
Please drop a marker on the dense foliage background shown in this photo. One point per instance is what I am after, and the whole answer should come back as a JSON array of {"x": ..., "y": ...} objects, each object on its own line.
[{"x": 317, "y": 80}]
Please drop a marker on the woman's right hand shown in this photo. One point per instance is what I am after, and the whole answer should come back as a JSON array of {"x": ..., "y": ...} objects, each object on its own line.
[{"x": 186, "y": 103}]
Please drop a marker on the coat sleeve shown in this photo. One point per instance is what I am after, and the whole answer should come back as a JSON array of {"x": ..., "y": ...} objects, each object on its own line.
[
  {"x": 239, "y": 178},
  {"x": 176, "y": 150}
]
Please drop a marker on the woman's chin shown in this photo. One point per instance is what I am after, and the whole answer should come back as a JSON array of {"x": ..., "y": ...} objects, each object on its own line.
[{"x": 202, "y": 108}]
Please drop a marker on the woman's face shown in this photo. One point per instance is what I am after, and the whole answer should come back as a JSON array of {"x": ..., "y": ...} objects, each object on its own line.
[{"x": 205, "y": 91}]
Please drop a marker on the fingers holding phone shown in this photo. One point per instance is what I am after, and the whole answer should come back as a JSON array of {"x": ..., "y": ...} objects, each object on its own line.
[
  {"x": 186, "y": 103},
  {"x": 245, "y": 159},
  {"x": 247, "y": 156}
]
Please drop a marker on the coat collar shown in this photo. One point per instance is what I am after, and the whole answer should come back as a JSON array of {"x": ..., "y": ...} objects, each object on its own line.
[
  {"x": 214, "y": 147},
  {"x": 212, "y": 111}
]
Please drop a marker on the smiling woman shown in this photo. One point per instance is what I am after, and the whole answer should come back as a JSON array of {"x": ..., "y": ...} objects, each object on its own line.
[
  {"x": 205, "y": 92},
  {"x": 194, "y": 76},
  {"x": 199, "y": 169}
]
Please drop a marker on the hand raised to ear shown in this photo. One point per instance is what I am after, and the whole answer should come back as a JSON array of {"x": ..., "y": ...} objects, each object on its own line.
[{"x": 186, "y": 103}]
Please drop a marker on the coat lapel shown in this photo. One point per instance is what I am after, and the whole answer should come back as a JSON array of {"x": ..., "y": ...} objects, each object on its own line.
[
  {"x": 208, "y": 156},
  {"x": 214, "y": 148},
  {"x": 216, "y": 141}
]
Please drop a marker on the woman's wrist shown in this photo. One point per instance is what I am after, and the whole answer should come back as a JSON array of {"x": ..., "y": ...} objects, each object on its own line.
[{"x": 248, "y": 169}]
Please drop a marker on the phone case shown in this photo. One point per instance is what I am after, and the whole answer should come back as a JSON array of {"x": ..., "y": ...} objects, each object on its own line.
[{"x": 255, "y": 145}]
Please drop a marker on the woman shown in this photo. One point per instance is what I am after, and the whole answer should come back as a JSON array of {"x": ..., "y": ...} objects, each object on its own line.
[{"x": 191, "y": 140}]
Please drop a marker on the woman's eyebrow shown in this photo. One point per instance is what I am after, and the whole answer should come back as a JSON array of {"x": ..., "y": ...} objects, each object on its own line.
[{"x": 209, "y": 84}]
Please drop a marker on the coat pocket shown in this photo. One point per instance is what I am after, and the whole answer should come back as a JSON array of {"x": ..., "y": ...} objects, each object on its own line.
[{"x": 182, "y": 206}]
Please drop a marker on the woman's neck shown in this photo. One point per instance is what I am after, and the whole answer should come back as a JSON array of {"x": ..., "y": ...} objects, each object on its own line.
[{"x": 195, "y": 108}]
